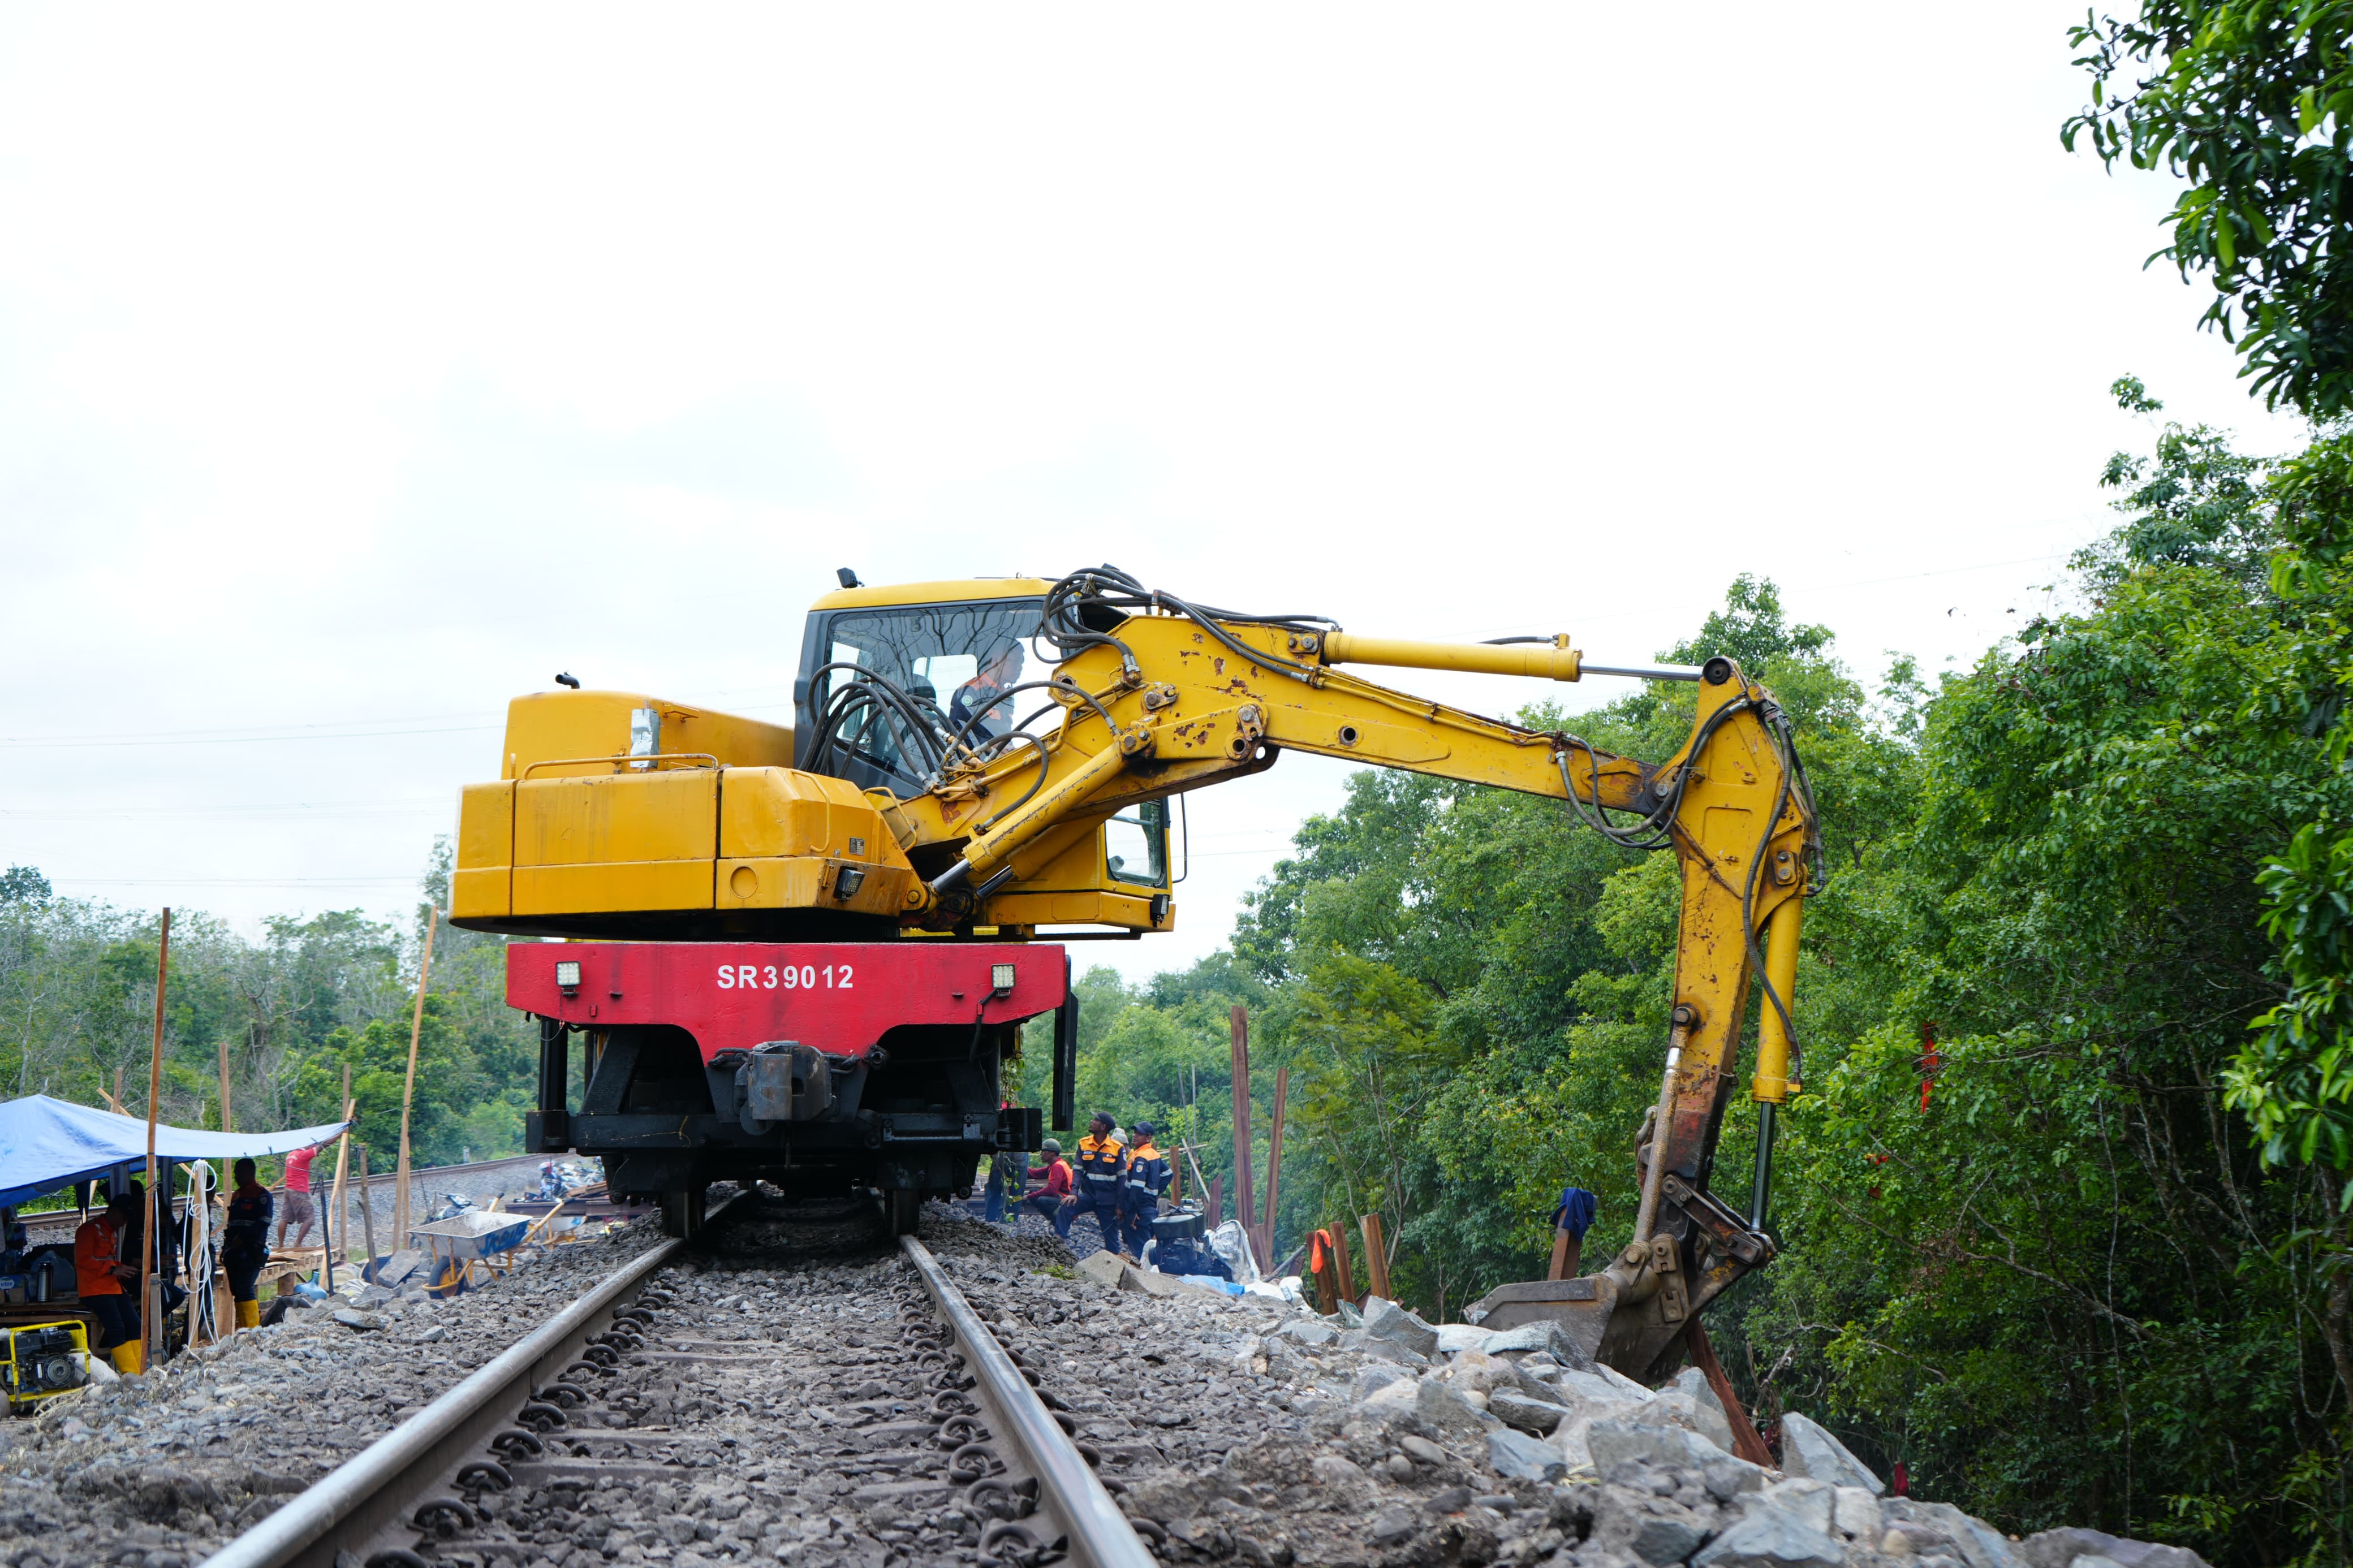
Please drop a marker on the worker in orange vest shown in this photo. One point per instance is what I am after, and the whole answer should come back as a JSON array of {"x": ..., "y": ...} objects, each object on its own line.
[{"x": 100, "y": 1273}]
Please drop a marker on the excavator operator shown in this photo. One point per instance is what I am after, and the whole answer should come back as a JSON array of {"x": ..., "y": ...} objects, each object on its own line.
[{"x": 985, "y": 693}]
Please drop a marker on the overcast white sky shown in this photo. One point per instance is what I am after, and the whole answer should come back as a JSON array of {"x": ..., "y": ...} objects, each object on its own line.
[{"x": 356, "y": 376}]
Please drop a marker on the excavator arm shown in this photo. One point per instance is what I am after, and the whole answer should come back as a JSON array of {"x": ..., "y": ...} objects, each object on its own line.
[{"x": 1158, "y": 697}]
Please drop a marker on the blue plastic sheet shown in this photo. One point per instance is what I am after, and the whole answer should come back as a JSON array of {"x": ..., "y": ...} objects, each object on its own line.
[{"x": 49, "y": 1144}]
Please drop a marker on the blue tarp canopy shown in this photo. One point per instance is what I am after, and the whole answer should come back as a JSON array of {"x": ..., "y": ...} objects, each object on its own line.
[{"x": 49, "y": 1144}]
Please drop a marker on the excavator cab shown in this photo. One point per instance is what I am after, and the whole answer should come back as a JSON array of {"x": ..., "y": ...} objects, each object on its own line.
[
  {"x": 889, "y": 678},
  {"x": 898, "y": 683}
]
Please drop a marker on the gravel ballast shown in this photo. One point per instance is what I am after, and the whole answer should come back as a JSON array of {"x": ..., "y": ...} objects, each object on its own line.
[
  {"x": 784, "y": 1394},
  {"x": 161, "y": 1469}
]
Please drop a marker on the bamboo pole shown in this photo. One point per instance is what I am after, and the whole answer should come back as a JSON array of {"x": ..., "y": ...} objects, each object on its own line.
[
  {"x": 1274, "y": 1175},
  {"x": 227, "y": 1125},
  {"x": 367, "y": 1215},
  {"x": 344, "y": 1156},
  {"x": 150, "y": 1332},
  {"x": 1376, "y": 1258},
  {"x": 1244, "y": 1209},
  {"x": 409, "y": 1089}
]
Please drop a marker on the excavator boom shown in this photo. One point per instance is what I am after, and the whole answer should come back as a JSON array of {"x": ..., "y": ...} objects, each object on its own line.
[{"x": 886, "y": 816}]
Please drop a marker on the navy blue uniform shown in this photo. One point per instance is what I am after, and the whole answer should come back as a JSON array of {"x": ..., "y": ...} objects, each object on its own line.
[
  {"x": 1148, "y": 1175},
  {"x": 1101, "y": 1169}
]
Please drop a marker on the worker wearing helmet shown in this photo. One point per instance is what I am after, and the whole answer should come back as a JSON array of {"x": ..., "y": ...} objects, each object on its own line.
[
  {"x": 1148, "y": 1175},
  {"x": 1102, "y": 1172}
]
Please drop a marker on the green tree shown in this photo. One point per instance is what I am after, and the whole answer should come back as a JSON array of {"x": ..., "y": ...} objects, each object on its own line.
[{"x": 2251, "y": 102}]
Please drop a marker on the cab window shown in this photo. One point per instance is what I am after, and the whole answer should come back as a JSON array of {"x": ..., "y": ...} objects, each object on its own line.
[
  {"x": 898, "y": 686},
  {"x": 1135, "y": 844}
]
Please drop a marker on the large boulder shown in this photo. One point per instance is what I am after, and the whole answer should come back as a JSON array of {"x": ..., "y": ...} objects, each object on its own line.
[
  {"x": 1674, "y": 1408},
  {"x": 1619, "y": 1441},
  {"x": 1709, "y": 1417},
  {"x": 1594, "y": 1387},
  {"x": 1445, "y": 1408},
  {"x": 1517, "y": 1457},
  {"x": 1312, "y": 1332},
  {"x": 1769, "y": 1537},
  {"x": 1102, "y": 1269},
  {"x": 1811, "y": 1503},
  {"x": 1386, "y": 1321},
  {"x": 1809, "y": 1451},
  {"x": 1627, "y": 1522},
  {"x": 2059, "y": 1548},
  {"x": 1978, "y": 1544},
  {"x": 1364, "y": 1344},
  {"x": 1857, "y": 1515},
  {"x": 1544, "y": 1335},
  {"x": 1476, "y": 1371},
  {"x": 1514, "y": 1408}
]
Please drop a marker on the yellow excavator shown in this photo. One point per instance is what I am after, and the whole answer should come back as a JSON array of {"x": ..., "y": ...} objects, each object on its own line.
[{"x": 804, "y": 954}]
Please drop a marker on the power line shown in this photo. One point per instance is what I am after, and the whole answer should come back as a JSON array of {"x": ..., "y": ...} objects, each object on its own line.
[
  {"x": 62, "y": 742},
  {"x": 409, "y": 881},
  {"x": 320, "y": 809}
]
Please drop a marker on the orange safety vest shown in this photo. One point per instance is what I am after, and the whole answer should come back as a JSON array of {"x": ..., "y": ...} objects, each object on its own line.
[
  {"x": 97, "y": 1248},
  {"x": 1101, "y": 1162}
]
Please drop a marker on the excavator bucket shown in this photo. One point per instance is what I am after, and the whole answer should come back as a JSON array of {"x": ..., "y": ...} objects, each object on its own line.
[{"x": 1632, "y": 1314}]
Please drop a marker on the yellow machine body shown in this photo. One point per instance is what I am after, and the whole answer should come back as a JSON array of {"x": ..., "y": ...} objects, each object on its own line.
[{"x": 619, "y": 814}]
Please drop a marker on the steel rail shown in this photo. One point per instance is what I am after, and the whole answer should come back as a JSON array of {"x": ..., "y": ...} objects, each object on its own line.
[
  {"x": 1101, "y": 1536},
  {"x": 373, "y": 1489}
]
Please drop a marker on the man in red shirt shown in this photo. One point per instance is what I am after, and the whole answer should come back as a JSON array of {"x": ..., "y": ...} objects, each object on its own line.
[
  {"x": 1056, "y": 1174},
  {"x": 298, "y": 1209}
]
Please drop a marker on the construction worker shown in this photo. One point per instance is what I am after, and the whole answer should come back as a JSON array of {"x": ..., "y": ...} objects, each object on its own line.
[
  {"x": 245, "y": 1242},
  {"x": 1046, "y": 1199},
  {"x": 1572, "y": 1218},
  {"x": 99, "y": 1273},
  {"x": 300, "y": 1214},
  {"x": 1102, "y": 1171},
  {"x": 1000, "y": 669},
  {"x": 1148, "y": 1175}
]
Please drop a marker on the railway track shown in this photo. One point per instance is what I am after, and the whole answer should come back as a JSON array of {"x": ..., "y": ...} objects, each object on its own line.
[{"x": 780, "y": 1387}]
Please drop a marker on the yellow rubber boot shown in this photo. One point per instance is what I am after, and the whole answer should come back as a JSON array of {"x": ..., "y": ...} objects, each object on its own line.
[{"x": 248, "y": 1314}]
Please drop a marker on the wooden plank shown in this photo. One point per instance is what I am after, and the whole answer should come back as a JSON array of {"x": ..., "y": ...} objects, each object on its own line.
[
  {"x": 1244, "y": 1209},
  {"x": 1747, "y": 1442},
  {"x": 1376, "y": 1258},
  {"x": 1266, "y": 1253}
]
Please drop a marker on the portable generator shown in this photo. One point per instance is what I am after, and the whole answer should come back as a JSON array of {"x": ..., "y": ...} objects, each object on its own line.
[{"x": 44, "y": 1361}]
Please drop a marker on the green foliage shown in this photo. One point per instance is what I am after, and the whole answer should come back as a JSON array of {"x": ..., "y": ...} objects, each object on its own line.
[
  {"x": 287, "y": 1012},
  {"x": 2251, "y": 102},
  {"x": 2107, "y": 870}
]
